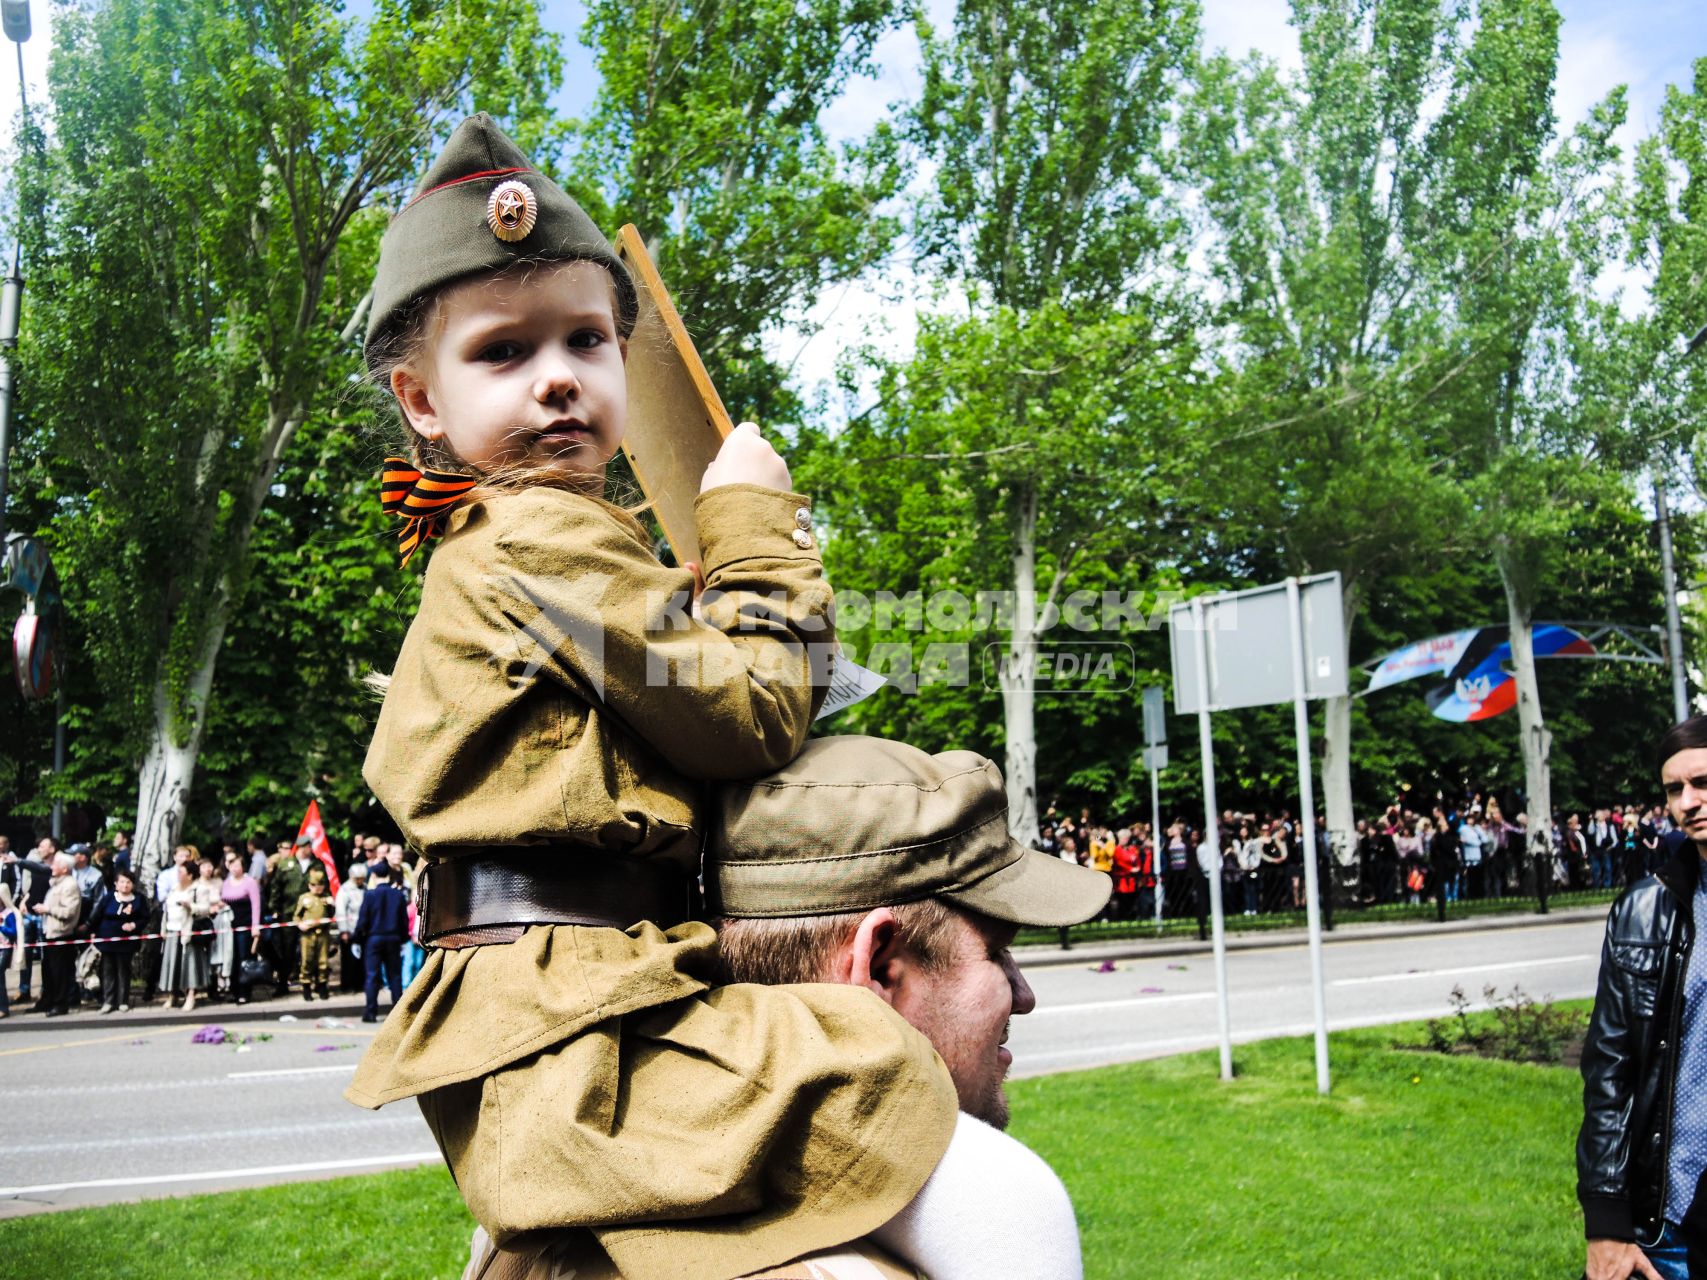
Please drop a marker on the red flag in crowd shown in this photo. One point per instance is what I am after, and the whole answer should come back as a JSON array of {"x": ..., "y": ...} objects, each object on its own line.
[{"x": 315, "y": 830}]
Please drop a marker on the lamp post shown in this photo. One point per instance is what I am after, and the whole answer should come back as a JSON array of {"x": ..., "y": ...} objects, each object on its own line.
[
  {"x": 15, "y": 21},
  {"x": 25, "y": 565}
]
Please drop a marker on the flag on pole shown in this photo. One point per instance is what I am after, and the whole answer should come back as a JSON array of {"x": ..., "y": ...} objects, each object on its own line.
[{"x": 315, "y": 830}]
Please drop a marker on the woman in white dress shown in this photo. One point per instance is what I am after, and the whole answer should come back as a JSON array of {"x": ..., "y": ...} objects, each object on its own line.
[{"x": 183, "y": 966}]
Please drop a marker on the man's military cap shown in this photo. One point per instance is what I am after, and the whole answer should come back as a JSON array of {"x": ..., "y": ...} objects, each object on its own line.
[
  {"x": 855, "y": 823},
  {"x": 482, "y": 207}
]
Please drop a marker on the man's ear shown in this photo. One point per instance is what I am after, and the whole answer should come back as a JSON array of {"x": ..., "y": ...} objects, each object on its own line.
[
  {"x": 415, "y": 398},
  {"x": 871, "y": 957}
]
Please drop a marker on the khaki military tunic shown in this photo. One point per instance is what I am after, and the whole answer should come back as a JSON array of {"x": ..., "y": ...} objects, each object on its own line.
[
  {"x": 555, "y": 692},
  {"x": 315, "y": 959},
  {"x": 577, "y": 1258}
]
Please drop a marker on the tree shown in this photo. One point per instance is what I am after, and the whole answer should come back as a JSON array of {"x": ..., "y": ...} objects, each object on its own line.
[
  {"x": 1314, "y": 190},
  {"x": 1045, "y": 126},
  {"x": 1668, "y": 241},
  {"x": 201, "y": 230},
  {"x": 919, "y": 495},
  {"x": 1523, "y": 231},
  {"x": 707, "y": 134}
]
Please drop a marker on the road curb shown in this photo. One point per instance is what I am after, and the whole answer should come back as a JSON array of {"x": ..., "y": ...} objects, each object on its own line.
[
  {"x": 220, "y": 1012},
  {"x": 1141, "y": 948}
]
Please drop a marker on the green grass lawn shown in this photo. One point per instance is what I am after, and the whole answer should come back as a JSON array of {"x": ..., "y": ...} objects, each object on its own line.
[{"x": 1417, "y": 1166}]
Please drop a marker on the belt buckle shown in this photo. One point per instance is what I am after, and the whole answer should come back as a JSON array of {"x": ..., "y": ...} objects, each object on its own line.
[{"x": 422, "y": 879}]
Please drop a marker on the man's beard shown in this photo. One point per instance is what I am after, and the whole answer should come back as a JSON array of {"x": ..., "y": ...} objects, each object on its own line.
[
  {"x": 991, "y": 1106},
  {"x": 992, "y": 1110}
]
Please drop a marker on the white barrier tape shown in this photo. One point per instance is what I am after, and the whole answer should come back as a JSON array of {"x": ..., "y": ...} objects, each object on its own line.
[{"x": 149, "y": 937}]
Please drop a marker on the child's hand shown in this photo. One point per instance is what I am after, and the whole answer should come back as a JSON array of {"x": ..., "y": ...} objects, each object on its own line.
[
  {"x": 747, "y": 458},
  {"x": 692, "y": 566}
]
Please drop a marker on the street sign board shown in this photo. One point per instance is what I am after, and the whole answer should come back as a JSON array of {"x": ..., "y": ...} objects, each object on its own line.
[
  {"x": 1247, "y": 638},
  {"x": 32, "y": 655},
  {"x": 1155, "y": 716}
]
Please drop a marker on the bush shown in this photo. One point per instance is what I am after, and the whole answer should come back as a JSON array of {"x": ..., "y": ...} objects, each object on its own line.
[{"x": 1518, "y": 1028}]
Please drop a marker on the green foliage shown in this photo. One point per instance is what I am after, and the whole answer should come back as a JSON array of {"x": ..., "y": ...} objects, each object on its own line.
[
  {"x": 1668, "y": 239},
  {"x": 707, "y": 134},
  {"x": 324, "y": 606},
  {"x": 1046, "y": 125},
  {"x": 1024, "y": 442},
  {"x": 1523, "y": 233},
  {"x": 1199, "y": 323},
  {"x": 200, "y": 226},
  {"x": 1328, "y": 436}
]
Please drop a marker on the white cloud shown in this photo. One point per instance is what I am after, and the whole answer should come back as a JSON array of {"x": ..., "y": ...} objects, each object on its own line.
[
  {"x": 1238, "y": 26},
  {"x": 882, "y": 313},
  {"x": 868, "y": 100}
]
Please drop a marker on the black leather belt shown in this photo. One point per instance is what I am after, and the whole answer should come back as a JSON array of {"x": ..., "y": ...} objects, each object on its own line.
[{"x": 475, "y": 899}]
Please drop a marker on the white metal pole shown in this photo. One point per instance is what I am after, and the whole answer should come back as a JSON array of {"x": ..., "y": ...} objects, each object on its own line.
[
  {"x": 1307, "y": 831},
  {"x": 1156, "y": 850},
  {"x": 1212, "y": 837},
  {"x": 1668, "y": 579}
]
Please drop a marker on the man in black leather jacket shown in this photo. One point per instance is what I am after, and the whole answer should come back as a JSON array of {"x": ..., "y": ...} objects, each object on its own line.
[{"x": 1641, "y": 1151}]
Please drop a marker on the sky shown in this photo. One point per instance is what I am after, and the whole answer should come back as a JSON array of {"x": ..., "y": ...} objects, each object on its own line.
[{"x": 1645, "y": 44}]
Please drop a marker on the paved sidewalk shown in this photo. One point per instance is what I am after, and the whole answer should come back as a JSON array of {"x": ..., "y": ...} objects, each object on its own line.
[
  {"x": 1139, "y": 948},
  {"x": 224, "y": 1012}
]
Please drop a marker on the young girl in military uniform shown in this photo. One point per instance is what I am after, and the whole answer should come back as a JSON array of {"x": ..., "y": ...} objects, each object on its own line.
[
  {"x": 314, "y": 916},
  {"x": 546, "y": 740}
]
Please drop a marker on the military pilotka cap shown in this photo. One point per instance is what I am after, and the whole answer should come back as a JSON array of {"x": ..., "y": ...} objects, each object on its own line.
[
  {"x": 856, "y": 823},
  {"x": 483, "y": 207}
]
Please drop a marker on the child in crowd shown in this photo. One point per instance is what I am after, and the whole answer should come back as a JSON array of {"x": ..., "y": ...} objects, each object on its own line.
[
  {"x": 547, "y": 739},
  {"x": 315, "y": 915}
]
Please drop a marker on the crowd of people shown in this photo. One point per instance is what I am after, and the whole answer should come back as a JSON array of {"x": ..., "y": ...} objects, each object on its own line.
[
  {"x": 1127, "y": 853},
  {"x": 213, "y": 927},
  {"x": 1476, "y": 851},
  {"x": 207, "y": 927},
  {"x": 1456, "y": 851}
]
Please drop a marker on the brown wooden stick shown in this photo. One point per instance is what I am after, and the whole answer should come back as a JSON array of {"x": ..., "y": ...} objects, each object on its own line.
[{"x": 676, "y": 419}]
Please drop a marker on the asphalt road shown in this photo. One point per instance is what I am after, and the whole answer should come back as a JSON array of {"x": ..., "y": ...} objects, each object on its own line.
[
  {"x": 107, "y": 1109},
  {"x": 1152, "y": 1007}
]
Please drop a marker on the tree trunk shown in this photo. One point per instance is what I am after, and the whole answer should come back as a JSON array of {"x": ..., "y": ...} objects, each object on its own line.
[
  {"x": 1018, "y": 676},
  {"x": 168, "y": 768},
  {"x": 1534, "y": 736},
  {"x": 1336, "y": 748}
]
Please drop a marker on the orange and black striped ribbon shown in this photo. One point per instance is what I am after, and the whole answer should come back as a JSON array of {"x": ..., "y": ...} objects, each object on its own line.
[{"x": 421, "y": 499}]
